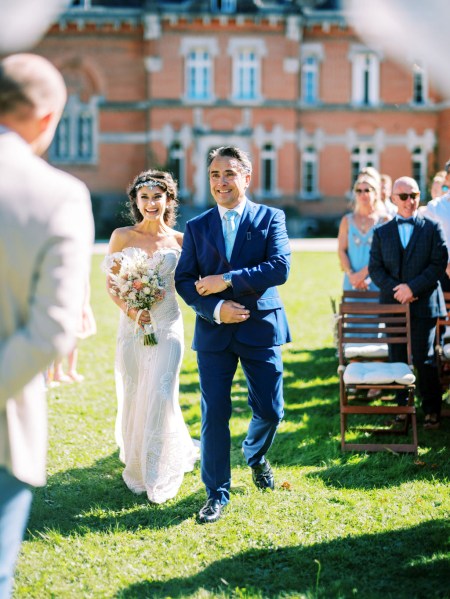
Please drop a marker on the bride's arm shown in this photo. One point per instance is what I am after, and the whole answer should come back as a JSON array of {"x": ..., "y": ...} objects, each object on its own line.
[{"x": 117, "y": 243}]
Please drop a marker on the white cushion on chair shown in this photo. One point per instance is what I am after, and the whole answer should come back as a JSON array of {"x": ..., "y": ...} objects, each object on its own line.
[
  {"x": 378, "y": 373},
  {"x": 446, "y": 350},
  {"x": 371, "y": 350}
]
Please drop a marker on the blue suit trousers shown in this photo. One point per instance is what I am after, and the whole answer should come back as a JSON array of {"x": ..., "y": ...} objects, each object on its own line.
[{"x": 263, "y": 369}]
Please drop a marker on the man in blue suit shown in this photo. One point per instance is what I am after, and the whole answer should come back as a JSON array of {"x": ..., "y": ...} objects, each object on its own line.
[
  {"x": 233, "y": 257},
  {"x": 408, "y": 258}
]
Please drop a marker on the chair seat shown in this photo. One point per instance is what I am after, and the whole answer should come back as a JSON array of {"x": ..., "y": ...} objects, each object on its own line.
[
  {"x": 378, "y": 373},
  {"x": 369, "y": 350}
]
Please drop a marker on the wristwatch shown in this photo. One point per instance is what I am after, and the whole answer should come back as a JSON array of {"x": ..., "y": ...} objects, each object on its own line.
[{"x": 227, "y": 279}]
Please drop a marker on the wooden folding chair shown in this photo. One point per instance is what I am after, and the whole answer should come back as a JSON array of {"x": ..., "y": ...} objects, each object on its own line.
[
  {"x": 362, "y": 323},
  {"x": 443, "y": 349}
]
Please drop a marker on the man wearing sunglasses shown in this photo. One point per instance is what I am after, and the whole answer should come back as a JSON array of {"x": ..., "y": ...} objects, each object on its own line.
[
  {"x": 407, "y": 259},
  {"x": 439, "y": 210}
]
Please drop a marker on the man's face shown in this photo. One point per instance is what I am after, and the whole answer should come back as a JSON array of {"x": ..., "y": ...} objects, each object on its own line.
[
  {"x": 408, "y": 206},
  {"x": 227, "y": 181}
]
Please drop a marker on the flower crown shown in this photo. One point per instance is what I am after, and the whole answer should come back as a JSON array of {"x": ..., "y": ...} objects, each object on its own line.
[{"x": 151, "y": 183}]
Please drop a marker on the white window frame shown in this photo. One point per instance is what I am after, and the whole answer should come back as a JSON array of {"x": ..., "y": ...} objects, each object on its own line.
[
  {"x": 311, "y": 57},
  {"x": 246, "y": 54},
  {"x": 268, "y": 155},
  {"x": 419, "y": 169},
  {"x": 225, "y": 7},
  {"x": 365, "y": 76},
  {"x": 72, "y": 145},
  {"x": 309, "y": 171},
  {"x": 418, "y": 73},
  {"x": 177, "y": 152},
  {"x": 363, "y": 154},
  {"x": 199, "y": 56}
]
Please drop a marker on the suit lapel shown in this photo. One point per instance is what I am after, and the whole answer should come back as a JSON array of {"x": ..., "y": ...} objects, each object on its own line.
[
  {"x": 216, "y": 231},
  {"x": 246, "y": 220}
]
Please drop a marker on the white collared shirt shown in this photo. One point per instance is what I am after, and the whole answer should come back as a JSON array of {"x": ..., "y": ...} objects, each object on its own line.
[{"x": 439, "y": 210}]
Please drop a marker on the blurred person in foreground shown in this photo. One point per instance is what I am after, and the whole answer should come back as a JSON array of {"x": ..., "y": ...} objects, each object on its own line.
[
  {"x": 407, "y": 259},
  {"x": 46, "y": 232}
]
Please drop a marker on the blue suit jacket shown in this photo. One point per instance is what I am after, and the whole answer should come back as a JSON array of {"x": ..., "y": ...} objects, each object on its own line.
[
  {"x": 420, "y": 265},
  {"x": 260, "y": 260}
]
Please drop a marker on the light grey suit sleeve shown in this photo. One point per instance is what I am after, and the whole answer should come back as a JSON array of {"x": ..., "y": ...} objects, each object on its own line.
[{"x": 60, "y": 272}]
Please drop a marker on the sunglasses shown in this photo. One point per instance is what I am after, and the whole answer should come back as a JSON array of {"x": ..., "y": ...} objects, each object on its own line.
[
  {"x": 404, "y": 196},
  {"x": 363, "y": 190}
]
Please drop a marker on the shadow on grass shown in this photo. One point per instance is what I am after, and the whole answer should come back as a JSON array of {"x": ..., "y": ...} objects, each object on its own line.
[
  {"x": 363, "y": 566},
  {"x": 96, "y": 499}
]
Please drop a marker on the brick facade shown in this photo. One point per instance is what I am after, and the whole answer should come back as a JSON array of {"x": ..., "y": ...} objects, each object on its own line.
[{"x": 127, "y": 70}]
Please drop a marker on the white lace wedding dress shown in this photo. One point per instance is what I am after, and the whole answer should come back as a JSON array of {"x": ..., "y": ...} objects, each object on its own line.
[{"x": 154, "y": 442}]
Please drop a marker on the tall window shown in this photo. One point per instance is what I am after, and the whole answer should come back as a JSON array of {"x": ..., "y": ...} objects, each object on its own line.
[
  {"x": 268, "y": 169},
  {"x": 223, "y": 6},
  {"x": 365, "y": 78},
  {"x": 419, "y": 169},
  {"x": 199, "y": 74},
  {"x": 310, "y": 74},
  {"x": 309, "y": 173},
  {"x": 176, "y": 162},
  {"x": 246, "y": 75},
  {"x": 419, "y": 85},
  {"x": 75, "y": 140},
  {"x": 246, "y": 56},
  {"x": 362, "y": 156}
]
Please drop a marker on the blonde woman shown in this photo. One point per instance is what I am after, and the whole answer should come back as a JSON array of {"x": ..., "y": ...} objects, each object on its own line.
[{"x": 356, "y": 233}]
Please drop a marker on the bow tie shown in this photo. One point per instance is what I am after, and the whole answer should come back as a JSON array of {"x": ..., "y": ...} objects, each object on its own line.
[{"x": 405, "y": 221}]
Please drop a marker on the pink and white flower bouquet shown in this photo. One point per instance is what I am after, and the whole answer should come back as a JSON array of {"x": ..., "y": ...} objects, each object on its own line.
[{"x": 139, "y": 284}]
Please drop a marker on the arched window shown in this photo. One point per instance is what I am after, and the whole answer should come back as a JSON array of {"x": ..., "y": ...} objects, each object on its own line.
[{"x": 75, "y": 140}]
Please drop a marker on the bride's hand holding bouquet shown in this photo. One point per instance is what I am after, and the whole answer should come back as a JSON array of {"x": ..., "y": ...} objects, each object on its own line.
[{"x": 136, "y": 280}]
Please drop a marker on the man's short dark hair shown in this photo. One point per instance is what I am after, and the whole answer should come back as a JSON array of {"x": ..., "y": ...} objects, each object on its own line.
[{"x": 232, "y": 152}]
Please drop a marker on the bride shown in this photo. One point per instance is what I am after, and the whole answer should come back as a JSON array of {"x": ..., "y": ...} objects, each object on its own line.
[{"x": 154, "y": 443}]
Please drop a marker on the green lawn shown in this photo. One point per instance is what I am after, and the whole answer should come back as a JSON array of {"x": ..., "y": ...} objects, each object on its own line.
[{"x": 337, "y": 525}]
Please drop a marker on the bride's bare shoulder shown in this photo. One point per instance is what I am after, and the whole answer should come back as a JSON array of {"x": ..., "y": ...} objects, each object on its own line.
[{"x": 120, "y": 239}]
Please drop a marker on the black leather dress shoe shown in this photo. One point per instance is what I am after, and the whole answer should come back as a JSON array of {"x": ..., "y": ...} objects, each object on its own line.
[
  {"x": 211, "y": 511},
  {"x": 263, "y": 476}
]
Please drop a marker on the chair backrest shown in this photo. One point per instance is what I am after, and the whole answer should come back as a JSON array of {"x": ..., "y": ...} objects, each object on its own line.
[
  {"x": 353, "y": 294},
  {"x": 374, "y": 323},
  {"x": 447, "y": 301}
]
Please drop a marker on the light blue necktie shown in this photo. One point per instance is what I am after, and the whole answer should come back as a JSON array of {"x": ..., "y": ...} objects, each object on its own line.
[{"x": 230, "y": 231}]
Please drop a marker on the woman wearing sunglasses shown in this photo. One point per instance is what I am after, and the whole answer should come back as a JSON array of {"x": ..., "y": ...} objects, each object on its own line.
[{"x": 356, "y": 233}]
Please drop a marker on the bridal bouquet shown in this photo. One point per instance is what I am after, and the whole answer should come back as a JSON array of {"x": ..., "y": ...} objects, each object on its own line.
[{"x": 139, "y": 285}]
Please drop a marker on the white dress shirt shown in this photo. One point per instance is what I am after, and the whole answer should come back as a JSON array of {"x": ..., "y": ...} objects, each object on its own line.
[{"x": 439, "y": 210}]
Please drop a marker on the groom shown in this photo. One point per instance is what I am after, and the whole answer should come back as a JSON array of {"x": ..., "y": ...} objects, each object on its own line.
[{"x": 233, "y": 257}]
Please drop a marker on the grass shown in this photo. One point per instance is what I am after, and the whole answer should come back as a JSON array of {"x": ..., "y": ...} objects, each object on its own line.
[{"x": 337, "y": 525}]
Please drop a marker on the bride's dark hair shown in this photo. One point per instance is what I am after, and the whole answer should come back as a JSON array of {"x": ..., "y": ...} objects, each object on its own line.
[{"x": 161, "y": 179}]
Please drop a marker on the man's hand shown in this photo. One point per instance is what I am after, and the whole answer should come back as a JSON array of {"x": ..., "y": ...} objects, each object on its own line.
[
  {"x": 403, "y": 294},
  {"x": 232, "y": 312},
  {"x": 210, "y": 284}
]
